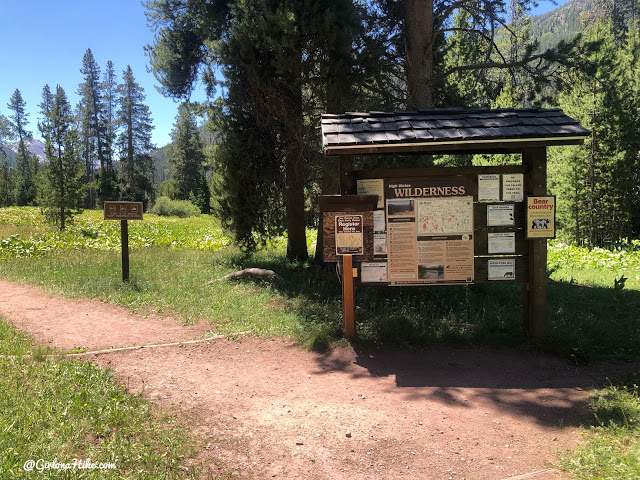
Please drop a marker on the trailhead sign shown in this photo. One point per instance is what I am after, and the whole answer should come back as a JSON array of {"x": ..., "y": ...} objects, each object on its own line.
[
  {"x": 430, "y": 232},
  {"x": 349, "y": 235}
]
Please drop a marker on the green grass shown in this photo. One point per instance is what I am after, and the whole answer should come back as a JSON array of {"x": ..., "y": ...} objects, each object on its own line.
[
  {"x": 65, "y": 410},
  {"x": 611, "y": 447}
]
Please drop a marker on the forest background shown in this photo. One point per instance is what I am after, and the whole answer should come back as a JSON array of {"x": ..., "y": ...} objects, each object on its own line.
[{"x": 251, "y": 154}]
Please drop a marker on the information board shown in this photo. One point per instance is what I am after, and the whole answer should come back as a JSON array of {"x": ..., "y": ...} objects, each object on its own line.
[{"x": 430, "y": 232}]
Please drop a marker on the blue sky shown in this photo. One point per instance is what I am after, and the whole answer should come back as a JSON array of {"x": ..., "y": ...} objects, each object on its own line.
[{"x": 43, "y": 42}]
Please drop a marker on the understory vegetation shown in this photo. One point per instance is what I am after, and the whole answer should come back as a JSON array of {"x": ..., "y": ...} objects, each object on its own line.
[{"x": 177, "y": 266}]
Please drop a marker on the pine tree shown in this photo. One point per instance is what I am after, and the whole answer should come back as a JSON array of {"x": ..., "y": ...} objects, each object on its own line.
[
  {"x": 630, "y": 77},
  {"x": 283, "y": 61},
  {"x": 18, "y": 122},
  {"x": 93, "y": 118},
  {"x": 64, "y": 173},
  {"x": 470, "y": 88},
  {"x": 108, "y": 184},
  {"x": 187, "y": 159},
  {"x": 7, "y": 181},
  {"x": 596, "y": 183},
  {"x": 134, "y": 142}
]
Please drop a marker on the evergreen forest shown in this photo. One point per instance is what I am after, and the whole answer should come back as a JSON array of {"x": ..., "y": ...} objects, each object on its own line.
[{"x": 251, "y": 154}]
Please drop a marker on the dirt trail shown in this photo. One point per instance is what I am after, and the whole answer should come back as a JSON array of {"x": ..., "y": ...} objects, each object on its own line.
[
  {"x": 266, "y": 409},
  {"x": 67, "y": 323}
]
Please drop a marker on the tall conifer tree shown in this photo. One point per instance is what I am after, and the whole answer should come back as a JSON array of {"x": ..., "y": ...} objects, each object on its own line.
[
  {"x": 7, "y": 181},
  {"x": 18, "y": 122},
  {"x": 64, "y": 173},
  {"x": 92, "y": 115},
  {"x": 108, "y": 184},
  {"x": 134, "y": 142},
  {"x": 596, "y": 183},
  {"x": 186, "y": 155},
  {"x": 282, "y": 60}
]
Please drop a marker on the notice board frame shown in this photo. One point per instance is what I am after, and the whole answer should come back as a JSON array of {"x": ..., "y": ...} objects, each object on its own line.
[{"x": 530, "y": 255}]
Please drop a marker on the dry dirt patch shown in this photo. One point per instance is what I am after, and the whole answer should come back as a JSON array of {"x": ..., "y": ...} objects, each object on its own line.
[{"x": 266, "y": 409}]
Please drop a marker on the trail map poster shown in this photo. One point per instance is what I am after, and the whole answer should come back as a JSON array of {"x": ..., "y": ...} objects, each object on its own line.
[{"x": 430, "y": 232}]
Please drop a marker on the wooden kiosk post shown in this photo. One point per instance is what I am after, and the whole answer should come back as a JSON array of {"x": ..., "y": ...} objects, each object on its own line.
[
  {"x": 345, "y": 207},
  {"x": 534, "y": 298},
  {"x": 348, "y": 298},
  {"x": 348, "y": 280}
]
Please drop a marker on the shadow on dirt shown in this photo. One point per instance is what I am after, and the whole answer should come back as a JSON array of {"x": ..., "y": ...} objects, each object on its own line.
[{"x": 550, "y": 391}]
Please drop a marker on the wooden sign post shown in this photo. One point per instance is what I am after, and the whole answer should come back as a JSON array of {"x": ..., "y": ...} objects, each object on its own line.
[
  {"x": 123, "y": 211},
  {"x": 348, "y": 298}
]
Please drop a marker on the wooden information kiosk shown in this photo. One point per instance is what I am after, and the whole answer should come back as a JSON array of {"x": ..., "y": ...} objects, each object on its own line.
[{"x": 444, "y": 225}]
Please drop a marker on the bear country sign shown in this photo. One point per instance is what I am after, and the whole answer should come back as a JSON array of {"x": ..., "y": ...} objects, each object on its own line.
[{"x": 541, "y": 217}]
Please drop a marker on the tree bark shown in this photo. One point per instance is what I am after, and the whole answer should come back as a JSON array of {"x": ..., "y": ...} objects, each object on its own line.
[
  {"x": 419, "y": 42},
  {"x": 295, "y": 172}
]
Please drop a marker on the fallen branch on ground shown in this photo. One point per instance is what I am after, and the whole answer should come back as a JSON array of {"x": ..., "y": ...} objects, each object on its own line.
[{"x": 259, "y": 273}]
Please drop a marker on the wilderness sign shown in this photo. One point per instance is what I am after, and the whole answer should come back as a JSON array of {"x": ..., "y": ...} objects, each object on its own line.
[{"x": 430, "y": 231}]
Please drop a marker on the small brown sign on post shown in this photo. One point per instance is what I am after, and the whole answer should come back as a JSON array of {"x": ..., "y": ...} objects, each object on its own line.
[{"x": 123, "y": 211}]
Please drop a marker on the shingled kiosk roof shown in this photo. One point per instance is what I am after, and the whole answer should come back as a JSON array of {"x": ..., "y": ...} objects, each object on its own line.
[{"x": 448, "y": 129}]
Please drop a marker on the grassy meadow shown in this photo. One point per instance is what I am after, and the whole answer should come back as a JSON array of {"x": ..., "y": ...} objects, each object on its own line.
[{"x": 176, "y": 266}]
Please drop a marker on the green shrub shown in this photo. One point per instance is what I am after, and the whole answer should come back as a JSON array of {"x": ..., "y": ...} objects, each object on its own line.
[{"x": 175, "y": 208}]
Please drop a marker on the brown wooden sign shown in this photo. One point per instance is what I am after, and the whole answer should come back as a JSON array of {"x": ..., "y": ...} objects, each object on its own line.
[
  {"x": 123, "y": 210},
  {"x": 333, "y": 245}
]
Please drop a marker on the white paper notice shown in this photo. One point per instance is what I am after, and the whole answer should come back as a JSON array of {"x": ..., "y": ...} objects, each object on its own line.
[
  {"x": 372, "y": 186},
  {"x": 379, "y": 222},
  {"x": 373, "y": 272},
  {"x": 488, "y": 188},
  {"x": 501, "y": 242},
  {"x": 502, "y": 269},
  {"x": 380, "y": 244},
  {"x": 499, "y": 215},
  {"x": 513, "y": 187}
]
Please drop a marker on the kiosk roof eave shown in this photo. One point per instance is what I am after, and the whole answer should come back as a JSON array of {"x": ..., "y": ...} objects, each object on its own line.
[{"x": 496, "y": 146}]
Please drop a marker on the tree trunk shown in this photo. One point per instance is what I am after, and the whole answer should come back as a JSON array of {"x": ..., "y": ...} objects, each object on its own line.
[
  {"x": 338, "y": 84},
  {"x": 61, "y": 185},
  {"x": 294, "y": 201},
  {"x": 419, "y": 43},
  {"x": 295, "y": 172}
]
